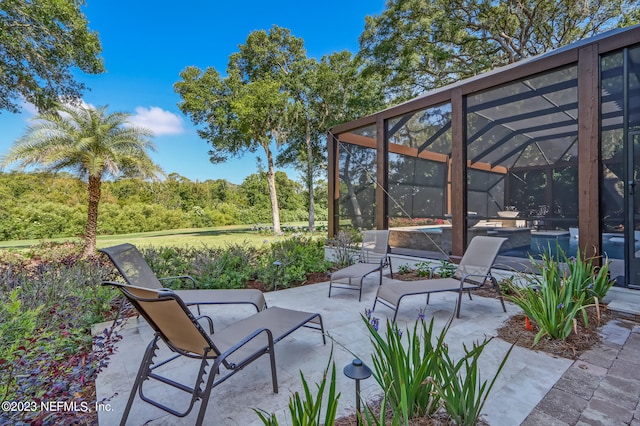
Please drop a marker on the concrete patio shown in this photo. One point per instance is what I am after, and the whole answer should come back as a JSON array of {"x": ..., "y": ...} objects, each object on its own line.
[{"x": 526, "y": 378}]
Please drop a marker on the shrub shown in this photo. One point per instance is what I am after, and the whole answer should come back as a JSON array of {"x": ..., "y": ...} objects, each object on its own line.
[
  {"x": 403, "y": 373},
  {"x": 446, "y": 269},
  {"x": 298, "y": 255},
  {"x": 553, "y": 300},
  {"x": 48, "y": 303},
  {"x": 419, "y": 377},
  {"x": 463, "y": 395}
]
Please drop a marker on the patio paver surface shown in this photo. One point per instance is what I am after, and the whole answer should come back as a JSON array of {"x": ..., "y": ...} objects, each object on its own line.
[{"x": 523, "y": 383}]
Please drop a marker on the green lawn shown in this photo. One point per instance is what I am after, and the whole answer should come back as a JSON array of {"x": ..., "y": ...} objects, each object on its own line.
[{"x": 212, "y": 237}]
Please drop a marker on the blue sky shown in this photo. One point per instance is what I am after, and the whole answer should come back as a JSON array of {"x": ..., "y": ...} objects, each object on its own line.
[{"x": 147, "y": 43}]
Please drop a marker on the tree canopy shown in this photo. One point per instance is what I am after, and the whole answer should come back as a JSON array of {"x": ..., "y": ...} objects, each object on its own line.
[
  {"x": 249, "y": 108},
  {"x": 418, "y": 45},
  {"x": 40, "y": 41}
]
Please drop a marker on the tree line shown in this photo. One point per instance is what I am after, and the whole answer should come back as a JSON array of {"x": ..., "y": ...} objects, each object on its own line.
[
  {"x": 271, "y": 92},
  {"x": 47, "y": 205}
]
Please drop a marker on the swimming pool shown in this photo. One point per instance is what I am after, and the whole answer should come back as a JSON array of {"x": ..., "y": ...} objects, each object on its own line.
[{"x": 612, "y": 248}]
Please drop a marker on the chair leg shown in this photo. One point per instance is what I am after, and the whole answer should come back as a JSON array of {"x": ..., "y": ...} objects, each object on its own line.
[
  {"x": 497, "y": 287},
  {"x": 330, "y": 284},
  {"x": 215, "y": 368},
  {"x": 459, "y": 304},
  {"x": 143, "y": 373}
]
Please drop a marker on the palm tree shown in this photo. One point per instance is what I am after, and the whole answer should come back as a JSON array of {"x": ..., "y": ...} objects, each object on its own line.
[{"x": 89, "y": 142}]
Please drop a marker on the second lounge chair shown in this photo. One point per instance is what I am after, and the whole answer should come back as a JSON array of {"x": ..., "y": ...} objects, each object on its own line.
[
  {"x": 472, "y": 273},
  {"x": 373, "y": 258}
]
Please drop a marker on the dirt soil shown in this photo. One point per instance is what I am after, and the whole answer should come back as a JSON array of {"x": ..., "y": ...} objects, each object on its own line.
[{"x": 438, "y": 419}]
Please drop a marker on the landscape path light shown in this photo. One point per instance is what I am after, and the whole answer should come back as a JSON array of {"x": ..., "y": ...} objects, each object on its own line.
[{"x": 357, "y": 371}]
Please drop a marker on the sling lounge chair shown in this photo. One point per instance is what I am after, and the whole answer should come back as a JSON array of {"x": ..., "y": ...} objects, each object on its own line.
[
  {"x": 136, "y": 272},
  {"x": 221, "y": 354},
  {"x": 472, "y": 273},
  {"x": 373, "y": 258}
]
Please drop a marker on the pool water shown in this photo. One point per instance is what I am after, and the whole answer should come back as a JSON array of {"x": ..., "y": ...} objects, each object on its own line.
[{"x": 540, "y": 243}]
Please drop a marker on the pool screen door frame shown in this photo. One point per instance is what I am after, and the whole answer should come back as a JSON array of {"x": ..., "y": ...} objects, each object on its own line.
[{"x": 632, "y": 210}]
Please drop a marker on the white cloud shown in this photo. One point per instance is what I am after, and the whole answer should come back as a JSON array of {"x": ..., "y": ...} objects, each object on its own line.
[
  {"x": 159, "y": 121},
  {"x": 28, "y": 108}
]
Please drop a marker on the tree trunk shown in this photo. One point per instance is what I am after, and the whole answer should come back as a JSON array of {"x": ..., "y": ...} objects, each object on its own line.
[
  {"x": 346, "y": 177},
  {"x": 271, "y": 180},
  {"x": 312, "y": 213},
  {"x": 92, "y": 217}
]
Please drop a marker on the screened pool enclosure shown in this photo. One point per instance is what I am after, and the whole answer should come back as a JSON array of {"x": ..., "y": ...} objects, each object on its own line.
[{"x": 542, "y": 152}]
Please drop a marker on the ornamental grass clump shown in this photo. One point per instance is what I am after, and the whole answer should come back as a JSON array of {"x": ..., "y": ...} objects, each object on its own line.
[
  {"x": 404, "y": 371},
  {"x": 419, "y": 376},
  {"x": 557, "y": 295},
  {"x": 307, "y": 409},
  {"x": 462, "y": 390}
]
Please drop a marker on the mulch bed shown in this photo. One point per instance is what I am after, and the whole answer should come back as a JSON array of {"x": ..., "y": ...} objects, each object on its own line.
[
  {"x": 438, "y": 419},
  {"x": 312, "y": 278},
  {"x": 514, "y": 331}
]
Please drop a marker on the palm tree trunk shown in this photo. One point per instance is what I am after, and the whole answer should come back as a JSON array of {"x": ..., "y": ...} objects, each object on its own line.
[
  {"x": 92, "y": 217},
  {"x": 271, "y": 181}
]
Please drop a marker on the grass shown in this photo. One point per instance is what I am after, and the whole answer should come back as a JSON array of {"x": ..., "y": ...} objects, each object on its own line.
[{"x": 220, "y": 236}]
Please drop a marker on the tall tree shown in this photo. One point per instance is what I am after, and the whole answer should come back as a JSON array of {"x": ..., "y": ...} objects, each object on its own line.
[
  {"x": 417, "y": 45},
  {"x": 89, "y": 142},
  {"x": 40, "y": 41},
  {"x": 327, "y": 93},
  {"x": 249, "y": 108}
]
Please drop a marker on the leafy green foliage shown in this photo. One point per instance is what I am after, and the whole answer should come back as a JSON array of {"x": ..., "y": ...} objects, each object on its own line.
[
  {"x": 403, "y": 371},
  {"x": 44, "y": 205},
  {"x": 49, "y": 299},
  {"x": 418, "y": 45},
  {"x": 446, "y": 269},
  {"x": 40, "y": 42},
  {"x": 420, "y": 376},
  {"x": 423, "y": 269},
  {"x": 298, "y": 255},
  {"x": 307, "y": 410},
  {"x": 403, "y": 269},
  {"x": 92, "y": 143},
  {"x": 557, "y": 295},
  {"x": 461, "y": 390},
  {"x": 233, "y": 266}
]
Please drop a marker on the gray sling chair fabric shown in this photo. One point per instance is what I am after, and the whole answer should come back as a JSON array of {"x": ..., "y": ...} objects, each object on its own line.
[
  {"x": 373, "y": 258},
  {"x": 229, "y": 349},
  {"x": 136, "y": 272},
  {"x": 472, "y": 273}
]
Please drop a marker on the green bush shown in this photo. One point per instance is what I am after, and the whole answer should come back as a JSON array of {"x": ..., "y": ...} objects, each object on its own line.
[
  {"x": 49, "y": 299},
  {"x": 462, "y": 392},
  {"x": 298, "y": 255},
  {"x": 420, "y": 377},
  {"x": 404, "y": 372},
  {"x": 554, "y": 298}
]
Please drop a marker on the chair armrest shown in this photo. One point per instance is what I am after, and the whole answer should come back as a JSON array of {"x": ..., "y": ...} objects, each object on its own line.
[
  {"x": 209, "y": 321},
  {"x": 480, "y": 283},
  {"x": 182, "y": 278}
]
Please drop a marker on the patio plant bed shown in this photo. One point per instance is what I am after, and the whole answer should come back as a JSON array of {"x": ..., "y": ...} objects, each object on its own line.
[{"x": 515, "y": 331}]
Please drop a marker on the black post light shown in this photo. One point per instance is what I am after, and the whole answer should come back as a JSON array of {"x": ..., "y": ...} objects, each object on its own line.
[
  {"x": 277, "y": 264},
  {"x": 357, "y": 371}
]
